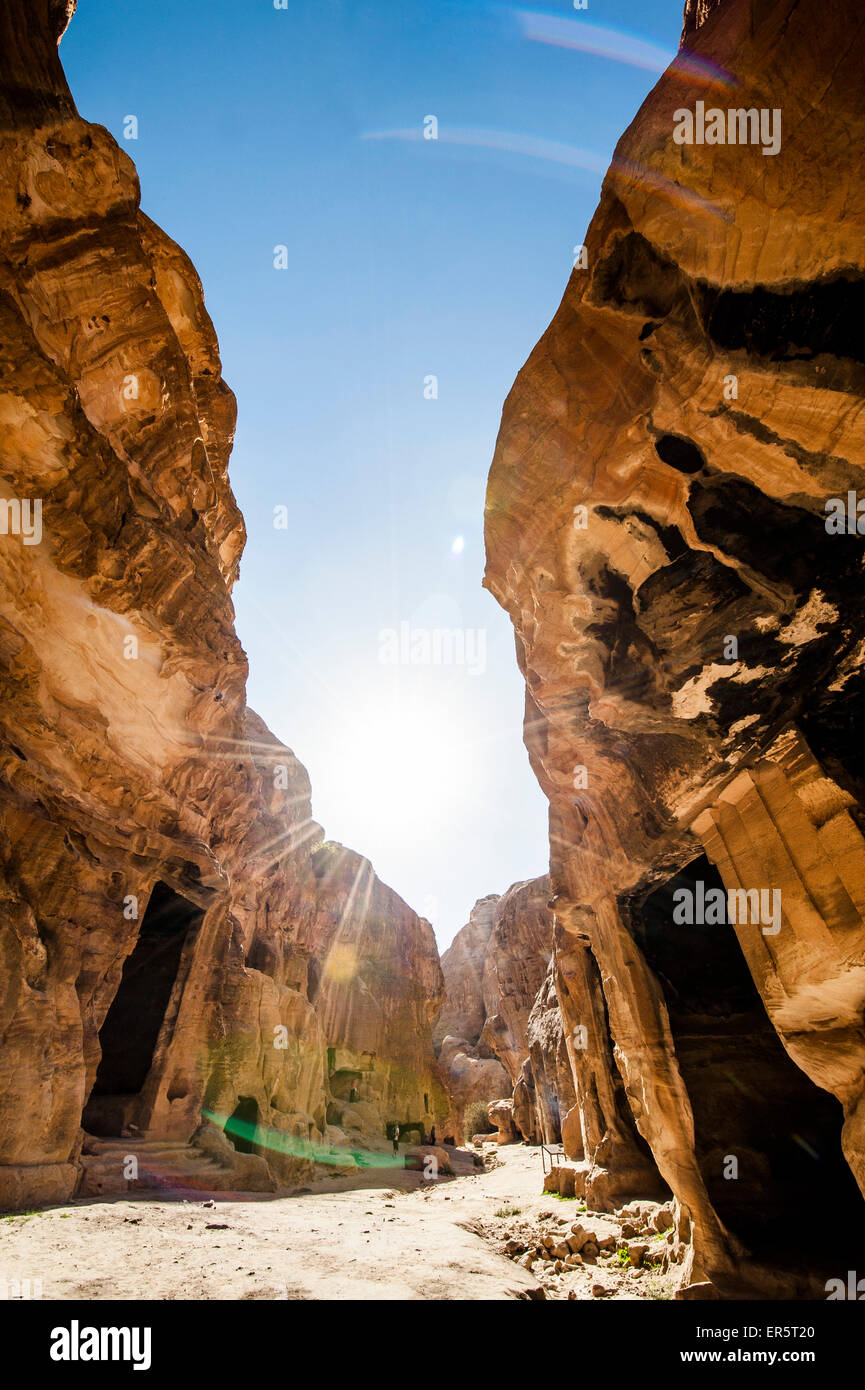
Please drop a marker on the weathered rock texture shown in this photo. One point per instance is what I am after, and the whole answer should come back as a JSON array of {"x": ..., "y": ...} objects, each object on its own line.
[
  {"x": 493, "y": 971},
  {"x": 692, "y": 639},
  {"x": 473, "y": 1072},
  {"x": 175, "y": 942},
  {"x": 515, "y": 964}
]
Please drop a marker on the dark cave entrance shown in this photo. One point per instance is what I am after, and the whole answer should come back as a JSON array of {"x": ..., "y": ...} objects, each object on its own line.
[
  {"x": 132, "y": 1026},
  {"x": 341, "y": 1083},
  {"x": 751, "y": 1103},
  {"x": 243, "y": 1124}
]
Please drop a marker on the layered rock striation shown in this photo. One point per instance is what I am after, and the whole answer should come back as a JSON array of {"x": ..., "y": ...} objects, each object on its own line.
[
  {"x": 182, "y": 956},
  {"x": 492, "y": 972},
  {"x": 690, "y": 623},
  {"x": 473, "y": 1073}
]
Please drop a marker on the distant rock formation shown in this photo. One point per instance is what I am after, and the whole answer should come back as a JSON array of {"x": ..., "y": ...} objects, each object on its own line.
[
  {"x": 471, "y": 1070},
  {"x": 492, "y": 972},
  {"x": 690, "y": 621},
  {"x": 182, "y": 957},
  {"x": 516, "y": 961}
]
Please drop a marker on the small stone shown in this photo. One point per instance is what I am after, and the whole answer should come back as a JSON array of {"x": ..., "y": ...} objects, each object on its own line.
[
  {"x": 636, "y": 1251},
  {"x": 599, "y": 1291},
  {"x": 579, "y": 1236},
  {"x": 663, "y": 1219}
]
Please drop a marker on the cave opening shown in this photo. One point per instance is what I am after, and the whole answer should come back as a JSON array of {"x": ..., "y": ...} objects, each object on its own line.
[
  {"x": 341, "y": 1083},
  {"x": 129, "y": 1035},
  {"x": 767, "y": 1138},
  {"x": 242, "y": 1125}
]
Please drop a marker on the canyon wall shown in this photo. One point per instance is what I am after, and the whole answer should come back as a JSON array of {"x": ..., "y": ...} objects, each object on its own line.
[
  {"x": 493, "y": 971},
  {"x": 690, "y": 627},
  {"x": 473, "y": 1072},
  {"x": 182, "y": 954}
]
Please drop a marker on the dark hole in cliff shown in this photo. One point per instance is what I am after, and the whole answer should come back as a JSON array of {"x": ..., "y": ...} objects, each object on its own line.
[
  {"x": 787, "y": 544},
  {"x": 679, "y": 453},
  {"x": 241, "y": 1126},
  {"x": 341, "y": 1084},
  {"x": 824, "y": 318},
  {"x": 827, "y": 723},
  {"x": 635, "y": 276},
  {"x": 313, "y": 981},
  {"x": 132, "y": 1026},
  {"x": 756, "y": 1114}
]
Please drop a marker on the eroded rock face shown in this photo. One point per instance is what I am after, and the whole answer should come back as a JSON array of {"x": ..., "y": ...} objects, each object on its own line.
[
  {"x": 463, "y": 1012},
  {"x": 690, "y": 630},
  {"x": 381, "y": 988},
  {"x": 519, "y": 952},
  {"x": 493, "y": 971},
  {"x": 473, "y": 1072},
  {"x": 178, "y": 952}
]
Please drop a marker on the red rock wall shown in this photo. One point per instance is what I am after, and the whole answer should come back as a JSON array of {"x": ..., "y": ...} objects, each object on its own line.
[
  {"x": 128, "y": 757},
  {"x": 659, "y": 488}
]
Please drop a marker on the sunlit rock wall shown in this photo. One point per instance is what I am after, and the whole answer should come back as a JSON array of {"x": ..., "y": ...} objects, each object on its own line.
[
  {"x": 128, "y": 760},
  {"x": 689, "y": 621}
]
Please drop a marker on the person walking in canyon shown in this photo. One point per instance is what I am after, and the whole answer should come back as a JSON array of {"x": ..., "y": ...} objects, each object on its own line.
[{"x": 396, "y": 1139}]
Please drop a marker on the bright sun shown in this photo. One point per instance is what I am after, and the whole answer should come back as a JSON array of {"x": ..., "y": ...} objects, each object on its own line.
[{"x": 398, "y": 768}]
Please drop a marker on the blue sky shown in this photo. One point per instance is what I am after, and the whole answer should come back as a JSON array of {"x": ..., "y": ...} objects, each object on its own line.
[{"x": 407, "y": 258}]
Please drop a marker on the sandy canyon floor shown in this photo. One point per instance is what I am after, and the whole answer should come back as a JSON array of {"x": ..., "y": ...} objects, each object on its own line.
[{"x": 394, "y": 1237}]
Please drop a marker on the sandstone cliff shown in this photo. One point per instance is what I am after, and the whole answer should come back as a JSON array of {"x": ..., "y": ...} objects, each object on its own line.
[
  {"x": 515, "y": 964},
  {"x": 492, "y": 972},
  {"x": 691, "y": 633},
  {"x": 472, "y": 1071},
  {"x": 179, "y": 952}
]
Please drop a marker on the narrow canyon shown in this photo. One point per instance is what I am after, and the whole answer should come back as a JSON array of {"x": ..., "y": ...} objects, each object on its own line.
[{"x": 630, "y": 1077}]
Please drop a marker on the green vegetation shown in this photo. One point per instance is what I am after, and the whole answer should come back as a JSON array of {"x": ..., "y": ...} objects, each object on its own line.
[
  {"x": 477, "y": 1121},
  {"x": 507, "y": 1211}
]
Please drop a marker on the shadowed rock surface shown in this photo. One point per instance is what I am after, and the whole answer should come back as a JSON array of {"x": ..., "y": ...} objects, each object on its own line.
[
  {"x": 494, "y": 970},
  {"x": 179, "y": 951},
  {"x": 691, "y": 631}
]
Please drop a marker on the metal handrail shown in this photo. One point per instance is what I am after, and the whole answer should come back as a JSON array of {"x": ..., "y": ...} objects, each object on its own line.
[{"x": 553, "y": 1154}]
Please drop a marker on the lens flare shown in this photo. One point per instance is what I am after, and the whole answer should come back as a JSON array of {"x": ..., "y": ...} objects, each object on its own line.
[
  {"x": 641, "y": 176},
  {"x": 297, "y": 1147},
  {"x": 618, "y": 46},
  {"x": 510, "y": 142}
]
